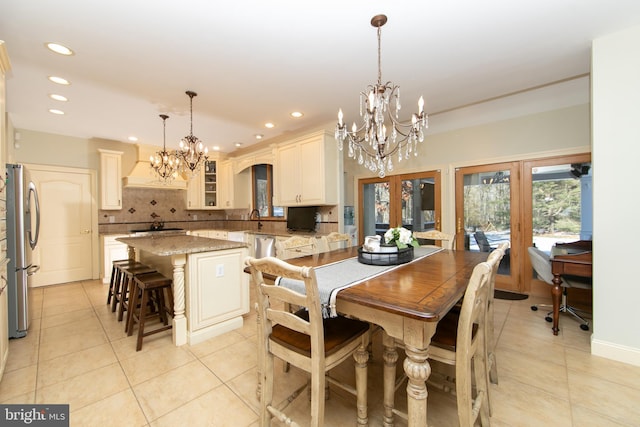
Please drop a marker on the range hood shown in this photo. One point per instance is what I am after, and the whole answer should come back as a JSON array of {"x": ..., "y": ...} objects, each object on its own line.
[{"x": 141, "y": 176}]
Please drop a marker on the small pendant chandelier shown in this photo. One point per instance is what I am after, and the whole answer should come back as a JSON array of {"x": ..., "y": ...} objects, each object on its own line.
[
  {"x": 165, "y": 164},
  {"x": 382, "y": 135},
  {"x": 192, "y": 152}
]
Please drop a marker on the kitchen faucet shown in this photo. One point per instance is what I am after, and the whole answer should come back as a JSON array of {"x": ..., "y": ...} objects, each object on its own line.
[{"x": 257, "y": 212}]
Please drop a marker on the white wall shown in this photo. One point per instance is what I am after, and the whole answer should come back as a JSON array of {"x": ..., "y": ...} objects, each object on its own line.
[{"x": 616, "y": 150}]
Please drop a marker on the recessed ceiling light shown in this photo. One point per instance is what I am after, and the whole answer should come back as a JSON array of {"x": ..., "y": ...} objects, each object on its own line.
[
  {"x": 59, "y": 80},
  {"x": 259, "y": 136},
  {"x": 215, "y": 148},
  {"x": 296, "y": 114},
  {"x": 54, "y": 111},
  {"x": 58, "y": 48},
  {"x": 269, "y": 125},
  {"x": 238, "y": 144},
  {"x": 58, "y": 97},
  {"x": 132, "y": 138}
]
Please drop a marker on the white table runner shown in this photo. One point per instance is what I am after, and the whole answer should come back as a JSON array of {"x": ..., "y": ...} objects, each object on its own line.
[{"x": 334, "y": 277}]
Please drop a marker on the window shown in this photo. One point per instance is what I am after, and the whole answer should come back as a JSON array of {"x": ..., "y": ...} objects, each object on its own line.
[{"x": 262, "y": 184}]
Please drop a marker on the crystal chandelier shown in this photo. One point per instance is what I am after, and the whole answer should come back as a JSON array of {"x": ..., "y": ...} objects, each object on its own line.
[
  {"x": 192, "y": 152},
  {"x": 165, "y": 164},
  {"x": 375, "y": 143}
]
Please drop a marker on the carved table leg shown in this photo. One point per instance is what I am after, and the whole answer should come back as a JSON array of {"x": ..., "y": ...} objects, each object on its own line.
[
  {"x": 390, "y": 357},
  {"x": 361, "y": 356},
  {"x": 179, "y": 319},
  {"x": 417, "y": 368},
  {"x": 556, "y": 296}
]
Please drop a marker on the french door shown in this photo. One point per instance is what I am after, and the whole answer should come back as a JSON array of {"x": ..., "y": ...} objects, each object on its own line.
[
  {"x": 488, "y": 214},
  {"x": 526, "y": 203},
  {"x": 409, "y": 200},
  {"x": 558, "y": 206}
]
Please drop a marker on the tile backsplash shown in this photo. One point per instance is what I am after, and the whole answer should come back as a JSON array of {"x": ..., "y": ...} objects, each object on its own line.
[{"x": 141, "y": 207}]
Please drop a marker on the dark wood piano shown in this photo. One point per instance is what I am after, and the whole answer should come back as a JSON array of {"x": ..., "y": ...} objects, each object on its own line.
[{"x": 569, "y": 259}]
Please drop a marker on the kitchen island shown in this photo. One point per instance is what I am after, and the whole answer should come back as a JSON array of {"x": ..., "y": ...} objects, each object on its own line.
[{"x": 210, "y": 290}]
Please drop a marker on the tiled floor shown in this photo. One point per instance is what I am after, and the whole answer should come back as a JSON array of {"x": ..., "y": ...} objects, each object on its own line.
[{"x": 76, "y": 352}]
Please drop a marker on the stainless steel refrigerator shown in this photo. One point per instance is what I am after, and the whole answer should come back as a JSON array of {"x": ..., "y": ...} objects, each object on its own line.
[{"x": 23, "y": 227}]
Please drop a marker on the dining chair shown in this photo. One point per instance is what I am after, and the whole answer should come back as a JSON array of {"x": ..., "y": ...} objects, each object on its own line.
[
  {"x": 304, "y": 340},
  {"x": 494, "y": 259},
  {"x": 460, "y": 340},
  {"x": 296, "y": 246},
  {"x": 333, "y": 240},
  {"x": 437, "y": 235},
  {"x": 541, "y": 263}
]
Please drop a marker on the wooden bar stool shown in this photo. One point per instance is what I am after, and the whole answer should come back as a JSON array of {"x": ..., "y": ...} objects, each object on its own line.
[
  {"x": 149, "y": 287},
  {"x": 116, "y": 277},
  {"x": 128, "y": 274}
]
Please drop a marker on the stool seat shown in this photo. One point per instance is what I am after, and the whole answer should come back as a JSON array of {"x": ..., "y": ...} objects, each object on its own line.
[
  {"x": 116, "y": 277},
  {"x": 129, "y": 272},
  {"x": 147, "y": 287}
]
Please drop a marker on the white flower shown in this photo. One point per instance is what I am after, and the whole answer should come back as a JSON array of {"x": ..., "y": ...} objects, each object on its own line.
[{"x": 400, "y": 236}]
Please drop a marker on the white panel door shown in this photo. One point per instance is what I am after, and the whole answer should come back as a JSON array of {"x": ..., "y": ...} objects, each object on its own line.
[{"x": 66, "y": 249}]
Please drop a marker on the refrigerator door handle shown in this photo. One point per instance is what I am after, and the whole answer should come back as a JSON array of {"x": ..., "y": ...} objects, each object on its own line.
[
  {"x": 33, "y": 241},
  {"x": 32, "y": 270}
]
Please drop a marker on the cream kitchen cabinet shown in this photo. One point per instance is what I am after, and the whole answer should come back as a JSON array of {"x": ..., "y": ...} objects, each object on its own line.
[
  {"x": 218, "y": 295},
  {"x": 202, "y": 188},
  {"x": 110, "y": 179},
  {"x": 195, "y": 195},
  {"x": 306, "y": 171},
  {"x": 211, "y": 234},
  {"x": 112, "y": 250}
]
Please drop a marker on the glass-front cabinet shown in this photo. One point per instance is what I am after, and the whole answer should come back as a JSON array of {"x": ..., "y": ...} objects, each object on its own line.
[
  {"x": 217, "y": 186},
  {"x": 210, "y": 184},
  {"x": 202, "y": 188}
]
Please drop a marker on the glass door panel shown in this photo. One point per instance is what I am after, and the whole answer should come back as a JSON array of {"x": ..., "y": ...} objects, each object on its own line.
[
  {"x": 376, "y": 208},
  {"x": 410, "y": 200},
  {"x": 486, "y": 210},
  {"x": 558, "y": 203}
]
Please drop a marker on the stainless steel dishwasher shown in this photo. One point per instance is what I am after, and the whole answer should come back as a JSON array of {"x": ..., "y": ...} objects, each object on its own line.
[{"x": 264, "y": 246}]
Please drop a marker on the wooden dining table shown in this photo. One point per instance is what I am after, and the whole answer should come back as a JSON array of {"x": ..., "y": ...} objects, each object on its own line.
[{"x": 406, "y": 302}]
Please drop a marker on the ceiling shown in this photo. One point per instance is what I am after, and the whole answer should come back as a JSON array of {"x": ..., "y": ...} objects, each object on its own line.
[{"x": 255, "y": 61}]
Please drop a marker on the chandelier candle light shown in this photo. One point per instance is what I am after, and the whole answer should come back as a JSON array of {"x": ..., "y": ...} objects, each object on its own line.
[
  {"x": 192, "y": 152},
  {"x": 375, "y": 142},
  {"x": 165, "y": 164}
]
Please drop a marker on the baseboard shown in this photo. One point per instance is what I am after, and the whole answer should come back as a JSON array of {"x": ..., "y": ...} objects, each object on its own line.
[
  {"x": 616, "y": 352},
  {"x": 211, "y": 331}
]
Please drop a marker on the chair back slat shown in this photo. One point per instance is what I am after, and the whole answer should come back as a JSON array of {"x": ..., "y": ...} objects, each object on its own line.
[
  {"x": 274, "y": 301},
  {"x": 334, "y": 240},
  {"x": 296, "y": 246},
  {"x": 289, "y": 320},
  {"x": 437, "y": 235}
]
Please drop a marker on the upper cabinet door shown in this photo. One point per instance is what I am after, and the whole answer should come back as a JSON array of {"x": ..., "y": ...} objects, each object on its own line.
[
  {"x": 110, "y": 179},
  {"x": 306, "y": 172}
]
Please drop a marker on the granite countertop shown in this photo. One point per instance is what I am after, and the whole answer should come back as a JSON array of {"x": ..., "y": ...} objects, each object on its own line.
[{"x": 166, "y": 245}]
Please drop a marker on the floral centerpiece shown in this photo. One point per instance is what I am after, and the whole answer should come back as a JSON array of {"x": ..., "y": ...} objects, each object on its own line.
[
  {"x": 401, "y": 237},
  {"x": 396, "y": 247}
]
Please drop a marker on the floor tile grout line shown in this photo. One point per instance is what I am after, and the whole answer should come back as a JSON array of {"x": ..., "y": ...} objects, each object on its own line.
[{"x": 131, "y": 389}]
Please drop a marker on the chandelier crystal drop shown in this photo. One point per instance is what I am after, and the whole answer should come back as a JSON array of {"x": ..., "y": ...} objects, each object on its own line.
[
  {"x": 192, "y": 151},
  {"x": 382, "y": 134},
  {"x": 165, "y": 164}
]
